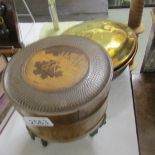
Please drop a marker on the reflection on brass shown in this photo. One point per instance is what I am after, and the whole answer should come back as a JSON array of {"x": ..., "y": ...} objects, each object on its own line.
[
  {"x": 119, "y": 70},
  {"x": 118, "y": 40}
]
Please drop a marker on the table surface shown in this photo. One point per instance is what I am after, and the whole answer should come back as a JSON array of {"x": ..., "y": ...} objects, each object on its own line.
[{"x": 118, "y": 136}]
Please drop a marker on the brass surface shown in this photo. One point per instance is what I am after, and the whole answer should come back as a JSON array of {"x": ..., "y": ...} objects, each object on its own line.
[
  {"x": 118, "y": 39},
  {"x": 119, "y": 70}
]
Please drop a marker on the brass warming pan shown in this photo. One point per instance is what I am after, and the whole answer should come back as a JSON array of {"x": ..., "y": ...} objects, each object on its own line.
[
  {"x": 118, "y": 39},
  {"x": 60, "y": 87}
]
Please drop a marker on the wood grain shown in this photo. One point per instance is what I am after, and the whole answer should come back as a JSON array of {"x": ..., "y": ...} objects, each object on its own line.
[{"x": 144, "y": 101}]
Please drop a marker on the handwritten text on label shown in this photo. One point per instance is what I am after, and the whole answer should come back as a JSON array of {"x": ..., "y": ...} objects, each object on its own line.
[{"x": 38, "y": 121}]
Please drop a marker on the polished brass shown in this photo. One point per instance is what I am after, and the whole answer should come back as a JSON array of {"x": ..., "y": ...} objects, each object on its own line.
[
  {"x": 118, "y": 39},
  {"x": 119, "y": 70}
]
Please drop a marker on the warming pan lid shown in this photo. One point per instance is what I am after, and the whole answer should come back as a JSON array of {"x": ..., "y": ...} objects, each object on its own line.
[
  {"x": 57, "y": 74},
  {"x": 116, "y": 38}
]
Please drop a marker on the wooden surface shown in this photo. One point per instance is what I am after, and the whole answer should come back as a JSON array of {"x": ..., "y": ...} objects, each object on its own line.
[
  {"x": 135, "y": 14},
  {"x": 144, "y": 99},
  {"x": 11, "y": 23}
]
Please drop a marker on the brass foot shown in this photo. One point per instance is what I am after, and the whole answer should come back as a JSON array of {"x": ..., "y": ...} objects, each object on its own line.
[
  {"x": 102, "y": 123},
  {"x": 104, "y": 120},
  {"x": 139, "y": 29},
  {"x": 31, "y": 134},
  {"x": 44, "y": 143},
  {"x": 93, "y": 133}
]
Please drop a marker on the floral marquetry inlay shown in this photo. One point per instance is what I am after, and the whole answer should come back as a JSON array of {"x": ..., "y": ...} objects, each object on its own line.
[{"x": 56, "y": 68}]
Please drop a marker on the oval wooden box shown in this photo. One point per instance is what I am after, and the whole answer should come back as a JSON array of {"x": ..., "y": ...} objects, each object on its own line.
[{"x": 64, "y": 79}]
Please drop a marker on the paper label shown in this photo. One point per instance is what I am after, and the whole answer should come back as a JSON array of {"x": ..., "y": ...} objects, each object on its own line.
[{"x": 38, "y": 121}]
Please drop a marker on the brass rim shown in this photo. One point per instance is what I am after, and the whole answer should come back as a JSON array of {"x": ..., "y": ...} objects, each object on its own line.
[{"x": 116, "y": 71}]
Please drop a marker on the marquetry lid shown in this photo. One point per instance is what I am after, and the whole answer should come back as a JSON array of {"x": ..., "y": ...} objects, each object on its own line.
[
  {"x": 56, "y": 68},
  {"x": 57, "y": 74}
]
